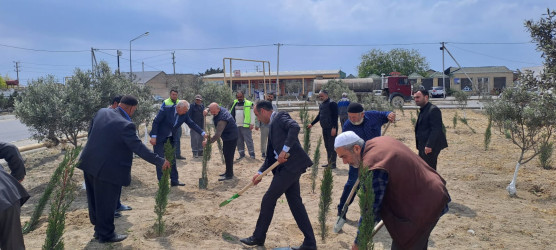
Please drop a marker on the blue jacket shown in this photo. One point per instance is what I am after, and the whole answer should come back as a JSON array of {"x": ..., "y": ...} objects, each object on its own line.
[
  {"x": 108, "y": 154},
  {"x": 165, "y": 123},
  {"x": 370, "y": 128}
]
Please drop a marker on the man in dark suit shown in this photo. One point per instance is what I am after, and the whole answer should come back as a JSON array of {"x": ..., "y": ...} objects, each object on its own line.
[
  {"x": 106, "y": 163},
  {"x": 328, "y": 117},
  {"x": 165, "y": 126},
  {"x": 282, "y": 139},
  {"x": 429, "y": 137},
  {"x": 13, "y": 196}
]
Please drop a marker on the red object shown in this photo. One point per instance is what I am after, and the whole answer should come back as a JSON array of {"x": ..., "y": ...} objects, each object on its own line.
[{"x": 12, "y": 82}]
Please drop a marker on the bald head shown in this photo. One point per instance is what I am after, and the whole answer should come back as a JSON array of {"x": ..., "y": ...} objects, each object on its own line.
[{"x": 214, "y": 108}]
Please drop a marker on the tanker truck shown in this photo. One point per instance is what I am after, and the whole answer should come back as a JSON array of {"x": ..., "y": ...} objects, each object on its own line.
[{"x": 395, "y": 87}]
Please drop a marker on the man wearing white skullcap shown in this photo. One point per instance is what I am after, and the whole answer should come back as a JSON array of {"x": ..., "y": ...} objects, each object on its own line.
[{"x": 416, "y": 197}]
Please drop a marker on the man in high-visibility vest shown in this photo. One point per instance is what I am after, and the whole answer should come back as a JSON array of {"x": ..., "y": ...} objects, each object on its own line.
[{"x": 242, "y": 112}]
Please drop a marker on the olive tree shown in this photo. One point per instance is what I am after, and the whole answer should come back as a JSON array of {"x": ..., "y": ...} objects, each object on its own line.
[
  {"x": 404, "y": 61},
  {"x": 336, "y": 88},
  {"x": 219, "y": 93}
]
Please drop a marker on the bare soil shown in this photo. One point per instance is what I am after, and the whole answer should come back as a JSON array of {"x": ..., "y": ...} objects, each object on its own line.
[{"x": 481, "y": 216}]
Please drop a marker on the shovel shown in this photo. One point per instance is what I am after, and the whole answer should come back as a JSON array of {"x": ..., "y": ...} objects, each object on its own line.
[
  {"x": 340, "y": 222},
  {"x": 236, "y": 195}
]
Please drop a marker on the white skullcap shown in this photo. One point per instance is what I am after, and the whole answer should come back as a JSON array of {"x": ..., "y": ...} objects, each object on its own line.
[{"x": 346, "y": 138}]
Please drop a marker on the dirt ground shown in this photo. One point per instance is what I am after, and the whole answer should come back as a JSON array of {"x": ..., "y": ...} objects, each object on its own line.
[{"x": 481, "y": 216}]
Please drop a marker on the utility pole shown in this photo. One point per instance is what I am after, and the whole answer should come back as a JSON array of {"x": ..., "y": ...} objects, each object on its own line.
[
  {"x": 143, "y": 65},
  {"x": 443, "y": 78},
  {"x": 174, "y": 61},
  {"x": 278, "y": 90},
  {"x": 17, "y": 70},
  {"x": 119, "y": 53}
]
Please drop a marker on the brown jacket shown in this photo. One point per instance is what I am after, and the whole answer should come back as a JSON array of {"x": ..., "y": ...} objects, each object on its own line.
[{"x": 415, "y": 195}]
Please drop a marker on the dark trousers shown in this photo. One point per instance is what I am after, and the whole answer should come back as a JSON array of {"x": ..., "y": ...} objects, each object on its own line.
[
  {"x": 159, "y": 150},
  {"x": 422, "y": 241},
  {"x": 329, "y": 145},
  {"x": 343, "y": 119},
  {"x": 102, "y": 198},
  {"x": 196, "y": 143},
  {"x": 229, "y": 149},
  {"x": 11, "y": 236},
  {"x": 177, "y": 141},
  {"x": 353, "y": 174},
  {"x": 430, "y": 158},
  {"x": 284, "y": 182}
]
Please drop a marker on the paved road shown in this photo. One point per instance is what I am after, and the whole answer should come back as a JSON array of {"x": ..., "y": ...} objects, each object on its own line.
[{"x": 11, "y": 130}]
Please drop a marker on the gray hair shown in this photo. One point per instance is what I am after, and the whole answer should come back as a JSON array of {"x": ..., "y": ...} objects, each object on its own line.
[
  {"x": 349, "y": 147},
  {"x": 183, "y": 103}
]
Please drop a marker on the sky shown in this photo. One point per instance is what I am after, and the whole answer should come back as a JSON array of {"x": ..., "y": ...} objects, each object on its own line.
[{"x": 54, "y": 37}]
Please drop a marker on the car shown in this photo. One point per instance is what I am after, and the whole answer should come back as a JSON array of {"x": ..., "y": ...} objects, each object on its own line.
[
  {"x": 437, "y": 92},
  {"x": 467, "y": 89}
]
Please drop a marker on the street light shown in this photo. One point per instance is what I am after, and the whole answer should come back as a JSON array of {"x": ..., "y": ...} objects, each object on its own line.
[{"x": 130, "y": 69}]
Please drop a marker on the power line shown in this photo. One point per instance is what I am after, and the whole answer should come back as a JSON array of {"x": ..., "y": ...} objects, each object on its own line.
[
  {"x": 495, "y": 57},
  {"x": 44, "y": 50}
]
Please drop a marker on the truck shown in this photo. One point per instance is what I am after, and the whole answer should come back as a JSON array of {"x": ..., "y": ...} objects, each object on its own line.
[{"x": 395, "y": 87}]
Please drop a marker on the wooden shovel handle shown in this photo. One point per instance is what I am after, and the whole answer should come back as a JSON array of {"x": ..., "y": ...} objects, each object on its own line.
[{"x": 273, "y": 166}]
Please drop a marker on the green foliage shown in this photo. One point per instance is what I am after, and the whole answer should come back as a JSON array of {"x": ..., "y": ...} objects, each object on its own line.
[
  {"x": 374, "y": 102},
  {"x": 53, "y": 110},
  {"x": 306, "y": 120},
  {"x": 545, "y": 155},
  {"x": 219, "y": 143},
  {"x": 219, "y": 93},
  {"x": 488, "y": 134},
  {"x": 543, "y": 33},
  {"x": 207, "y": 153},
  {"x": 366, "y": 199},
  {"x": 400, "y": 60},
  {"x": 335, "y": 88},
  {"x": 161, "y": 199},
  {"x": 414, "y": 119},
  {"x": 37, "y": 212},
  {"x": 455, "y": 120},
  {"x": 65, "y": 194},
  {"x": 529, "y": 119},
  {"x": 325, "y": 201},
  {"x": 315, "y": 167},
  {"x": 464, "y": 121},
  {"x": 211, "y": 71},
  {"x": 3, "y": 84}
]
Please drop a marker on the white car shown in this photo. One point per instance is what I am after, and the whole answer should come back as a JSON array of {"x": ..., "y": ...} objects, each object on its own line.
[{"x": 437, "y": 92}]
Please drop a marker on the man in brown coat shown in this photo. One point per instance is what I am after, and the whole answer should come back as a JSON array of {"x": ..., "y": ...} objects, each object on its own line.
[{"x": 410, "y": 196}]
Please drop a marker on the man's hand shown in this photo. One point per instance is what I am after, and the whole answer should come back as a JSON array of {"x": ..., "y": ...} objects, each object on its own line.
[
  {"x": 257, "y": 128},
  {"x": 392, "y": 117},
  {"x": 20, "y": 181},
  {"x": 428, "y": 150},
  {"x": 206, "y": 136},
  {"x": 204, "y": 143},
  {"x": 309, "y": 126},
  {"x": 166, "y": 165},
  {"x": 282, "y": 157},
  {"x": 205, "y": 112},
  {"x": 354, "y": 247},
  {"x": 255, "y": 181},
  {"x": 251, "y": 126},
  {"x": 333, "y": 132},
  {"x": 153, "y": 141}
]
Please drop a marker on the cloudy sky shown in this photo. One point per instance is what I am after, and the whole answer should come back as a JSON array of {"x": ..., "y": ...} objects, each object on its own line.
[{"x": 56, "y": 36}]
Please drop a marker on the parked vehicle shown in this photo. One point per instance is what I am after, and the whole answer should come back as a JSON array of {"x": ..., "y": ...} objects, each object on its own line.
[{"x": 437, "y": 92}]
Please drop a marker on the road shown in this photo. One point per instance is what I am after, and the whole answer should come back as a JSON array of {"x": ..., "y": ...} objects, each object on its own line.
[{"x": 12, "y": 130}]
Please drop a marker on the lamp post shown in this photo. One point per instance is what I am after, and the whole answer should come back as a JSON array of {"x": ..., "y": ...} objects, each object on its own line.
[{"x": 130, "y": 69}]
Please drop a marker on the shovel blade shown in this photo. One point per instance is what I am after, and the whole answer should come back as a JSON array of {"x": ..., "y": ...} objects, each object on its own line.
[
  {"x": 224, "y": 203},
  {"x": 339, "y": 224}
]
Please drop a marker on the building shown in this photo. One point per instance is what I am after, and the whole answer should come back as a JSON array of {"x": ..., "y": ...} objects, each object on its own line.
[
  {"x": 486, "y": 80},
  {"x": 159, "y": 82},
  {"x": 255, "y": 81}
]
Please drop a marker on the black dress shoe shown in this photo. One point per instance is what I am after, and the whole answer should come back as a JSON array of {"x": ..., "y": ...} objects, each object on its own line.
[
  {"x": 95, "y": 235},
  {"x": 177, "y": 184},
  {"x": 180, "y": 158},
  {"x": 115, "y": 238},
  {"x": 326, "y": 165},
  {"x": 251, "y": 241},
  {"x": 117, "y": 215},
  {"x": 123, "y": 208},
  {"x": 225, "y": 178},
  {"x": 303, "y": 247},
  {"x": 224, "y": 174}
]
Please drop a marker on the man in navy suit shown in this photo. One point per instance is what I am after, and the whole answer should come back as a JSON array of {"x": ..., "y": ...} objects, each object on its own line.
[
  {"x": 106, "y": 163},
  {"x": 165, "y": 126},
  {"x": 282, "y": 140}
]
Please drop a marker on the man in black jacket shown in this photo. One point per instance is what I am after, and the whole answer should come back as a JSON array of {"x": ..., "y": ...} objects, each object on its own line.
[
  {"x": 429, "y": 137},
  {"x": 13, "y": 197},
  {"x": 282, "y": 140},
  {"x": 328, "y": 117},
  {"x": 197, "y": 114},
  {"x": 106, "y": 163}
]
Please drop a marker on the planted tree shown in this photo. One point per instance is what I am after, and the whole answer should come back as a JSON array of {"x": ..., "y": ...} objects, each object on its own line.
[
  {"x": 528, "y": 117},
  {"x": 461, "y": 99},
  {"x": 305, "y": 120},
  {"x": 325, "y": 201},
  {"x": 161, "y": 199},
  {"x": 219, "y": 93},
  {"x": 65, "y": 194},
  {"x": 545, "y": 155},
  {"x": 379, "y": 103},
  {"x": 207, "y": 152},
  {"x": 315, "y": 167},
  {"x": 455, "y": 120},
  {"x": 366, "y": 200},
  {"x": 488, "y": 134}
]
